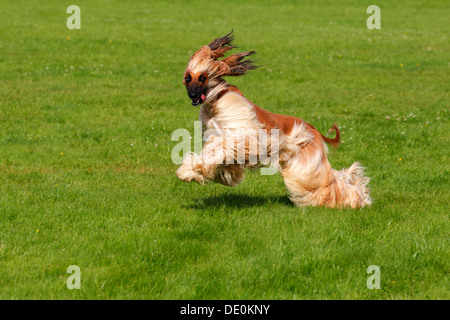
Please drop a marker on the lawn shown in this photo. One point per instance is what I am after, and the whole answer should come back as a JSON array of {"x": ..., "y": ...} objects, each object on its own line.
[{"x": 86, "y": 177}]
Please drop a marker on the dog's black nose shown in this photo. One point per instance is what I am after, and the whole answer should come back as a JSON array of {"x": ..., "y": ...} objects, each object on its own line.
[{"x": 191, "y": 95}]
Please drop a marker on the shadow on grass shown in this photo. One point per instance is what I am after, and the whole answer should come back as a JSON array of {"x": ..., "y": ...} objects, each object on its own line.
[{"x": 239, "y": 201}]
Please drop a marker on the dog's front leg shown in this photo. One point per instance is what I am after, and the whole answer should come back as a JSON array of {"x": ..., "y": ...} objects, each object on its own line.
[{"x": 203, "y": 168}]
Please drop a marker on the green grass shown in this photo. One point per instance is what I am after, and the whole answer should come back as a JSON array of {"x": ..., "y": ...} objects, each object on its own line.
[{"x": 86, "y": 176}]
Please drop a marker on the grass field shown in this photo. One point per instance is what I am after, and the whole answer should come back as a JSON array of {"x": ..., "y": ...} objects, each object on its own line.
[{"x": 86, "y": 177}]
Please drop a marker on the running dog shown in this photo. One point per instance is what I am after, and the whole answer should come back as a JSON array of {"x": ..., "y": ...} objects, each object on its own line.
[{"x": 301, "y": 150}]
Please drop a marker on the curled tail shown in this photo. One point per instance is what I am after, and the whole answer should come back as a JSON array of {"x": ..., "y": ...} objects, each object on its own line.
[{"x": 334, "y": 142}]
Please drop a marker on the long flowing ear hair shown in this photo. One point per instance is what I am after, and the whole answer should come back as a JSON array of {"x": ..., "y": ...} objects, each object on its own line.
[{"x": 234, "y": 65}]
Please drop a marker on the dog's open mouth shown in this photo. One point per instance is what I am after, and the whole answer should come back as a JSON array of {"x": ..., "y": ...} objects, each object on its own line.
[{"x": 196, "y": 102}]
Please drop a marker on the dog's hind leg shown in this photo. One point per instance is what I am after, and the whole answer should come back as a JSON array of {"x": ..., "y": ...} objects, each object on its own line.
[
  {"x": 305, "y": 172},
  {"x": 310, "y": 179},
  {"x": 313, "y": 182}
]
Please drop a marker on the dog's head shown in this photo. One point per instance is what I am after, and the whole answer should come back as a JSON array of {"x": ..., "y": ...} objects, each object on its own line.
[{"x": 205, "y": 70}]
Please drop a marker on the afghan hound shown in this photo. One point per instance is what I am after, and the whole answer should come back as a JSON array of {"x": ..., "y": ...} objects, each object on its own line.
[{"x": 235, "y": 125}]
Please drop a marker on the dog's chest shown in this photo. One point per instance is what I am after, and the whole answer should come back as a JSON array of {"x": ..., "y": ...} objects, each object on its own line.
[{"x": 231, "y": 111}]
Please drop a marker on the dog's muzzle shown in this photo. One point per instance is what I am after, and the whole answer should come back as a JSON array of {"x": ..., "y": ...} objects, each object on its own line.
[
  {"x": 196, "y": 102},
  {"x": 197, "y": 97}
]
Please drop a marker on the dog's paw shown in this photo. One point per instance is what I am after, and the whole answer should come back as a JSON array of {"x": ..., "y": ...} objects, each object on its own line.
[
  {"x": 190, "y": 169},
  {"x": 187, "y": 174}
]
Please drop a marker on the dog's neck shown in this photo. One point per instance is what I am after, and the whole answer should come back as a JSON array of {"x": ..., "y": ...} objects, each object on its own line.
[{"x": 214, "y": 91}]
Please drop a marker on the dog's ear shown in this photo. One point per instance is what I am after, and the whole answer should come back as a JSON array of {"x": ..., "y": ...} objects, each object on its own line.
[
  {"x": 238, "y": 66},
  {"x": 221, "y": 45}
]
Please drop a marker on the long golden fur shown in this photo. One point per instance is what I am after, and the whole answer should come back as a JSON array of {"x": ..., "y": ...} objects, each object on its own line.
[{"x": 302, "y": 152}]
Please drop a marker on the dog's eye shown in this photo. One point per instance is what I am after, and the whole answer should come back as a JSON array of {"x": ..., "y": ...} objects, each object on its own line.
[
  {"x": 202, "y": 79},
  {"x": 187, "y": 79}
]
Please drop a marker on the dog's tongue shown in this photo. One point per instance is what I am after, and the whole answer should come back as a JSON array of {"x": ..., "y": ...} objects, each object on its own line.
[{"x": 203, "y": 97}]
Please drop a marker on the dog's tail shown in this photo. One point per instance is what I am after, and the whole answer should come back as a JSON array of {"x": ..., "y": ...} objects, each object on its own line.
[{"x": 334, "y": 142}]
